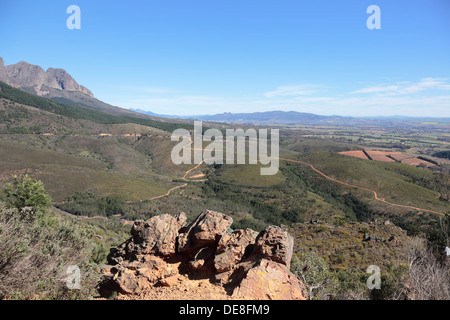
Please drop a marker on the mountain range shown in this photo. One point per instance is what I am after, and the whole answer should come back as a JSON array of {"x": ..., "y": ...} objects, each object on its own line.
[
  {"x": 296, "y": 118},
  {"x": 60, "y": 86},
  {"x": 275, "y": 117}
]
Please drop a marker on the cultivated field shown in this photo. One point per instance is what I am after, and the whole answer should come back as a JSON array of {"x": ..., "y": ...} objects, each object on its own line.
[{"x": 389, "y": 156}]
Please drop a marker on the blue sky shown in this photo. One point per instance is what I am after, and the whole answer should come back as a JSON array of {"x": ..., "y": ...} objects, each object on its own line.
[{"x": 204, "y": 57}]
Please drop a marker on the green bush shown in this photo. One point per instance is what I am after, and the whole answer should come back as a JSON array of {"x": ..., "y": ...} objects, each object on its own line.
[
  {"x": 314, "y": 272},
  {"x": 248, "y": 223},
  {"x": 35, "y": 254},
  {"x": 26, "y": 192}
]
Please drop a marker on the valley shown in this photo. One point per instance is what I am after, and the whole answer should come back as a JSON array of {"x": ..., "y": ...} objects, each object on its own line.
[
  {"x": 334, "y": 180},
  {"x": 84, "y": 155},
  {"x": 234, "y": 151}
]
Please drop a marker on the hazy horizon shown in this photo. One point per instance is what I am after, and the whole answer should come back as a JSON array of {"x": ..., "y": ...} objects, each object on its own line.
[
  {"x": 287, "y": 111},
  {"x": 206, "y": 57}
]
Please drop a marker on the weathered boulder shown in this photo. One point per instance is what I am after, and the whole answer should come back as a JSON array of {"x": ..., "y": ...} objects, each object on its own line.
[
  {"x": 125, "y": 252},
  {"x": 276, "y": 244},
  {"x": 129, "y": 283},
  {"x": 267, "y": 279},
  {"x": 232, "y": 247},
  {"x": 206, "y": 230},
  {"x": 157, "y": 235},
  {"x": 133, "y": 277}
]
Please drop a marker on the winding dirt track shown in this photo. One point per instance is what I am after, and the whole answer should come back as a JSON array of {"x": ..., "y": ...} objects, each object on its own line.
[
  {"x": 168, "y": 192},
  {"x": 319, "y": 172},
  {"x": 181, "y": 186},
  {"x": 189, "y": 171},
  {"x": 361, "y": 188}
]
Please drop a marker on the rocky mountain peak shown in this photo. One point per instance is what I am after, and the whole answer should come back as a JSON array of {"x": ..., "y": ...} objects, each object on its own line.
[
  {"x": 64, "y": 81},
  {"x": 25, "y": 76}
]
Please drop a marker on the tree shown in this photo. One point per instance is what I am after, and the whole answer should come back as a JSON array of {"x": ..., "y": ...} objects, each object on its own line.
[{"x": 26, "y": 192}]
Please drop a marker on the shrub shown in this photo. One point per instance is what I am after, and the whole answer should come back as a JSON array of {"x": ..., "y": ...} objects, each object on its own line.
[
  {"x": 350, "y": 285},
  {"x": 294, "y": 215},
  {"x": 35, "y": 254},
  {"x": 313, "y": 270},
  {"x": 26, "y": 192}
]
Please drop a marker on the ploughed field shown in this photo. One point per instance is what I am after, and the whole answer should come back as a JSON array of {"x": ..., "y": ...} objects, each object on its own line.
[{"x": 388, "y": 156}]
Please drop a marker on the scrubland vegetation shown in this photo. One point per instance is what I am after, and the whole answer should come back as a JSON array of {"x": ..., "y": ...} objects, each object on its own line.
[
  {"x": 98, "y": 169},
  {"x": 38, "y": 244}
]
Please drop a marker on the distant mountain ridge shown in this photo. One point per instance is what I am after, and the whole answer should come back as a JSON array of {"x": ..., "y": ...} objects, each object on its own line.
[
  {"x": 295, "y": 118},
  {"x": 266, "y": 117},
  {"x": 58, "y": 85},
  {"x": 149, "y": 113},
  {"x": 23, "y": 75},
  {"x": 255, "y": 117},
  {"x": 277, "y": 117}
]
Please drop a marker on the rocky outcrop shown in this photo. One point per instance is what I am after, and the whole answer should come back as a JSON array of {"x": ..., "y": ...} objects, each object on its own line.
[
  {"x": 232, "y": 247},
  {"x": 32, "y": 77},
  {"x": 205, "y": 231},
  {"x": 163, "y": 250},
  {"x": 276, "y": 244},
  {"x": 157, "y": 236}
]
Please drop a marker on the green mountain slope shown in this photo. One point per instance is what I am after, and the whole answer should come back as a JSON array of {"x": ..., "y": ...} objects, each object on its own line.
[{"x": 77, "y": 112}]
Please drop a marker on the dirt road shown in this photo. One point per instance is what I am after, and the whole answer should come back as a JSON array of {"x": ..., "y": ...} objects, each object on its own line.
[
  {"x": 361, "y": 188},
  {"x": 322, "y": 174}
]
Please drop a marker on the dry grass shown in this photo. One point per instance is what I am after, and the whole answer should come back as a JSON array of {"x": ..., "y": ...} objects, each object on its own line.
[{"x": 428, "y": 279}]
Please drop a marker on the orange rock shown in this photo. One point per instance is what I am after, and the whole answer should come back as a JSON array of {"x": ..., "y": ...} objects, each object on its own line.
[
  {"x": 248, "y": 264},
  {"x": 205, "y": 231},
  {"x": 267, "y": 279},
  {"x": 232, "y": 247},
  {"x": 276, "y": 244},
  {"x": 156, "y": 235},
  {"x": 169, "y": 281}
]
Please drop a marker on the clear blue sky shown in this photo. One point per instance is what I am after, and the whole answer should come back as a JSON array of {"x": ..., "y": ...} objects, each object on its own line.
[{"x": 211, "y": 56}]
